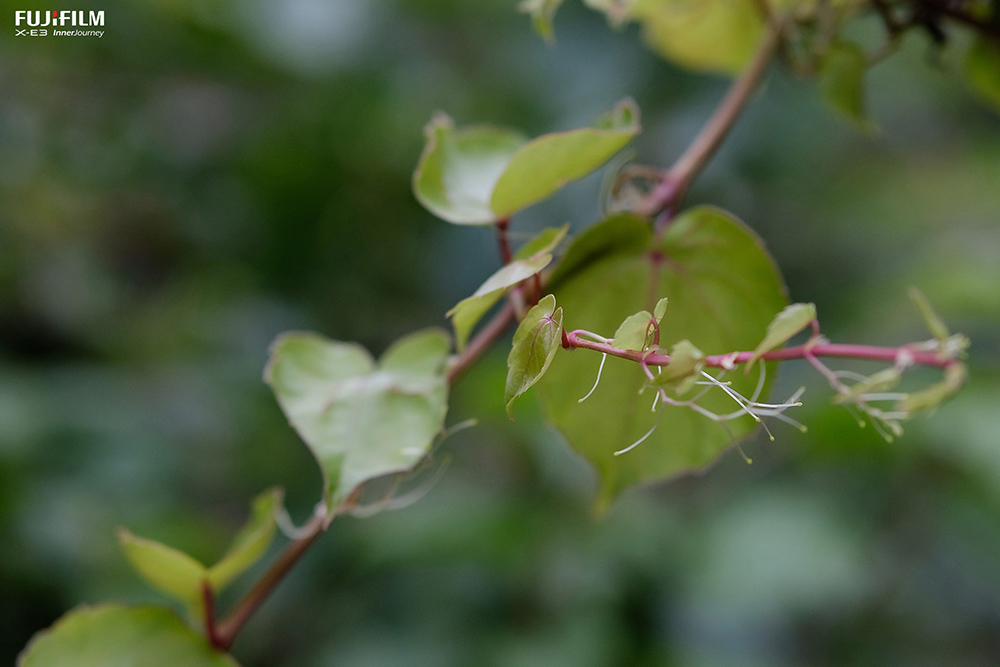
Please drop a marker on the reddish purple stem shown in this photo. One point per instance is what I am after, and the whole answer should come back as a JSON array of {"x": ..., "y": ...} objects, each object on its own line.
[{"x": 575, "y": 339}]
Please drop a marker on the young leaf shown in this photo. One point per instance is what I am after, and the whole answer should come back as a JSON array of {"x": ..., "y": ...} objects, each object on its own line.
[
  {"x": 842, "y": 82},
  {"x": 934, "y": 323},
  {"x": 542, "y": 12},
  {"x": 660, "y": 310},
  {"x": 470, "y": 310},
  {"x": 536, "y": 341},
  {"x": 686, "y": 361},
  {"x": 982, "y": 70},
  {"x": 251, "y": 542},
  {"x": 723, "y": 289},
  {"x": 545, "y": 164},
  {"x": 704, "y": 35},
  {"x": 359, "y": 419},
  {"x": 481, "y": 174},
  {"x": 635, "y": 333},
  {"x": 459, "y": 168},
  {"x": 545, "y": 241},
  {"x": 791, "y": 320},
  {"x": 113, "y": 635},
  {"x": 166, "y": 569}
]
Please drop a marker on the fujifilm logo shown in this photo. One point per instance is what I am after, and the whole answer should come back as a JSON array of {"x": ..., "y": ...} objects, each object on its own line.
[{"x": 31, "y": 23}]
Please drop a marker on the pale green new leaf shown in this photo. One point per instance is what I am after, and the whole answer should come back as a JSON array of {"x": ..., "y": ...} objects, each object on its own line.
[
  {"x": 459, "y": 169},
  {"x": 842, "y": 82},
  {"x": 660, "y": 310},
  {"x": 790, "y": 321},
  {"x": 545, "y": 241},
  {"x": 932, "y": 320},
  {"x": 542, "y": 12},
  {"x": 704, "y": 35},
  {"x": 113, "y": 635},
  {"x": 545, "y": 164},
  {"x": 251, "y": 542},
  {"x": 686, "y": 361},
  {"x": 471, "y": 309},
  {"x": 166, "y": 569},
  {"x": 467, "y": 312},
  {"x": 723, "y": 289},
  {"x": 536, "y": 341},
  {"x": 635, "y": 333},
  {"x": 982, "y": 70},
  {"x": 360, "y": 419}
]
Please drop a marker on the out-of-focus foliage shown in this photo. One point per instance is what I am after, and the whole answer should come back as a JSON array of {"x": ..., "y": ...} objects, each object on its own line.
[{"x": 205, "y": 176}]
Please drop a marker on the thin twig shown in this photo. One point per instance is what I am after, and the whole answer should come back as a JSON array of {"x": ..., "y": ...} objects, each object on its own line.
[
  {"x": 674, "y": 185},
  {"x": 228, "y": 628}
]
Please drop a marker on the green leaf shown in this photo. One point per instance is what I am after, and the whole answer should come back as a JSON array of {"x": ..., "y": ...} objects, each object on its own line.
[
  {"x": 359, "y": 419},
  {"x": 542, "y": 12},
  {"x": 470, "y": 310},
  {"x": 703, "y": 35},
  {"x": 459, "y": 168},
  {"x": 686, "y": 361},
  {"x": 166, "y": 569},
  {"x": 635, "y": 333},
  {"x": 544, "y": 241},
  {"x": 934, "y": 323},
  {"x": 723, "y": 289},
  {"x": 660, "y": 310},
  {"x": 790, "y": 321},
  {"x": 982, "y": 70},
  {"x": 549, "y": 162},
  {"x": 842, "y": 83},
  {"x": 536, "y": 341},
  {"x": 481, "y": 174},
  {"x": 251, "y": 542},
  {"x": 118, "y": 636},
  {"x": 180, "y": 576}
]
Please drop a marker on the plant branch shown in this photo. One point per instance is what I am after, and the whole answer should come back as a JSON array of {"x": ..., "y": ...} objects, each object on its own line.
[
  {"x": 575, "y": 339},
  {"x": 674, "y": 185},
  {"x": 482, "y": 342},
  {"x": 227, "y": 629}
]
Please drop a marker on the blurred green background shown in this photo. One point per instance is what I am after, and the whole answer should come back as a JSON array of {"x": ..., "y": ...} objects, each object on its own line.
[{"x": 211, "y": 173}]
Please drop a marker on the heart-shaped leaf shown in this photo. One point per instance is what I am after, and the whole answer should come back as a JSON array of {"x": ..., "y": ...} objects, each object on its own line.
[
  {"x": 360, "y": 419},
  {"x": 478, "y": 175},
  {"x": 119, "y": 636},
  {"x": 723, "y": 289},
  {"x": 470, "y": 310},
  {"x": 536, "y": 342}
]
